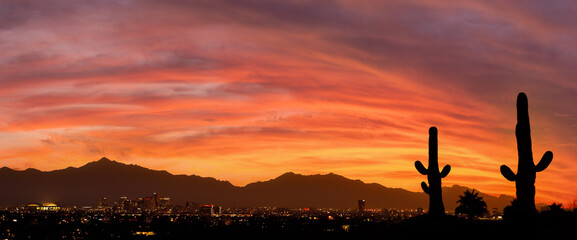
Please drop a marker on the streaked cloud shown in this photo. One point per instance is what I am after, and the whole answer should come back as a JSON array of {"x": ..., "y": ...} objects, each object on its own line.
[{"x": 248, "y": 90}]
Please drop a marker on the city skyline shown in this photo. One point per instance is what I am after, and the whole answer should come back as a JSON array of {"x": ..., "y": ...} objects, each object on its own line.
[
  {"x": 113, "y": 180},
  {"x": 246, "y": 91}
]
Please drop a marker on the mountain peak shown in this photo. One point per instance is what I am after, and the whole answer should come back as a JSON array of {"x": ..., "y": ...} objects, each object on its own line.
[
  {"x": 289, "y": 175},
  {"x": 293, "y": 178},
  {"x": 6, "y": 169},
  {"x": 32, "y": 170},
  {"x": 104, "y": 162}
]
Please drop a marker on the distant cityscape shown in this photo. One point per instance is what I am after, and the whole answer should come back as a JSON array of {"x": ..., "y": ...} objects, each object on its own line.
[
  {"x": 155, "y": 215},
  {"x": 163, "y": 205}
]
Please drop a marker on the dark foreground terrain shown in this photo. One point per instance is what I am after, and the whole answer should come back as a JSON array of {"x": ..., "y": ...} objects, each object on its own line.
[{"x": 76, "y": 225}]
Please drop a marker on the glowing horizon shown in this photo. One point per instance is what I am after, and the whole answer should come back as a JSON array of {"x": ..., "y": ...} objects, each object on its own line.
[{"x": 246, "y": 91}]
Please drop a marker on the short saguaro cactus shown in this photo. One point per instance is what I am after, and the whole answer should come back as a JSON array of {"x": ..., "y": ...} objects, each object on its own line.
[{"x": 434, "y": 189}]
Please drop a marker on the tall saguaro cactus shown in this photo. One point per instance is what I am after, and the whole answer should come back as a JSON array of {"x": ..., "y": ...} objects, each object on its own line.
[
  {"x": 526, "y": 168},
  {"x": 436, "y": 207}
]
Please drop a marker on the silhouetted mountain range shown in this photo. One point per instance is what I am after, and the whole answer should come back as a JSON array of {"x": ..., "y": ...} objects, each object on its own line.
[{"x": 105, "y": 178}]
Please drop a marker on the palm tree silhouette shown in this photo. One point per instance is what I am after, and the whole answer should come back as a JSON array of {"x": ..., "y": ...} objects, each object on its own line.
[{"x": 471, "y": 204}]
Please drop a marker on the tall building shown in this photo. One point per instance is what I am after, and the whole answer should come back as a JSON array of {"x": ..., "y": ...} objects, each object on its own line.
[
  {"x": 121, "y": 205},
  {"x": 147, "y": 203},
  {"x": 164, "y": 203},
  {"x": 131, "y": 205},
  {"x": 361, "y": 204},
  {"x": 155, "y": 201},
  {"x": 206, "y": 210},
  {"x": 152, "y": 203},
  {"x": 217, "y": 209},
  {"x": 103, "y": 203}
]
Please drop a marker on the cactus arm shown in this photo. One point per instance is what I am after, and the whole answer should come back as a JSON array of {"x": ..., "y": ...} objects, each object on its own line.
[
  {"x": 425, "y": 187},
  {"x": 445, "y": 171},
  {"x": 421, "y": 168},
  {"x": 507, "y": 173},
  {"x": 545, "y": 161}
]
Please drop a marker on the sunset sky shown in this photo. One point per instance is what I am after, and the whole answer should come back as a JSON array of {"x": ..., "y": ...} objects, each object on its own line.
[{"x": 248, "y": 90}]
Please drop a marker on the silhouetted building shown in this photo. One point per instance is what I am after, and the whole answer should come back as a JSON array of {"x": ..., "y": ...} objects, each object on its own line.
[
  {"x": 156, "y": 200},
  {"x": 206, "y": 210},
  {"x": 217, "y": 209},
  {"x": 153, "y": 203},
  {"x": 164, "y": 203},
  {"x": 42, "y": 207},
  {"x": 362, "y": 205},
  {"x": 121, "y": 204},
  {"x": 209, "y": 210},
  {"x": 146, "y": 203},
  {"x": 103, "y": 203},
  {"x": 191, "y": 207},
  {"x": 50, "y": 207},
  {"x": 130, "y": 205},
  {"x": 32, "y": 207}
]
